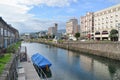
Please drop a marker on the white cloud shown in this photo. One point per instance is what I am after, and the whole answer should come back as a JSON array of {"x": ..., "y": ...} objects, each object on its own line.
[
  {"x": 35, "y": 25},
  {"x": 15, "y": 12}
]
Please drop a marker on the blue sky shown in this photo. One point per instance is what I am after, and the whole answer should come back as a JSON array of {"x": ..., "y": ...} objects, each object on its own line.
[{"x": 37, "y": 15}]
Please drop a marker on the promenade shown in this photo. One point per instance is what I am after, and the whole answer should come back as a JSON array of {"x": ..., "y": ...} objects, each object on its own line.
[{"x": 27, "y": 72}]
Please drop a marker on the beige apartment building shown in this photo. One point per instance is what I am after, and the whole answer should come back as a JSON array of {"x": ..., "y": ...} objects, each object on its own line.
[
  {"x": 106, "y": 20},
  {"x": 72, "y": 27},
  {"x": 87, "y": 26},
  {"x": 53, "y": 30}
]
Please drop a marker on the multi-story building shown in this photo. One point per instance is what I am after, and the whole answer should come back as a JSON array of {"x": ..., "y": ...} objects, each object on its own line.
[
  {"x": 72, "y": 27},
  {"x": 8, "y": 34},
  {"x": 87, "y": 26},
  {"x": 106, "y": 20},
  {"x": 98, "y": 25},
  {"x": 53, "y": 30}
]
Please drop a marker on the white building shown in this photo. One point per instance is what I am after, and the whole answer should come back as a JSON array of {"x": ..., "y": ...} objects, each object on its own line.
[{"x": 106, "y": 20}]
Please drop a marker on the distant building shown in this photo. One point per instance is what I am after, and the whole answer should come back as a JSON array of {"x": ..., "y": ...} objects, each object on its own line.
[
  {"x": 87, "y": 26},
  {"x": 33, "y": 35},
  {"x": 72, "y": 27},
  {"x": 25, "y": 36},
  {"x": 8, "y": 34},
  {"x": 53, "y": 30},
  {"x": 42, "y": 34}
]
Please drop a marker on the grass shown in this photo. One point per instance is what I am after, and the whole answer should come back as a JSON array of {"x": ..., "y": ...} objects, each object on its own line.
[
  {"x": 4, "y": 60},
  {"x": 7, "y": 56}
]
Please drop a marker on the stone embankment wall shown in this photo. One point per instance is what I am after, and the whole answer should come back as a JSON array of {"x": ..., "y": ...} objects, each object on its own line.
[
  {"x": 10, "y": 71},
  {"x": 105, "y": 49}
]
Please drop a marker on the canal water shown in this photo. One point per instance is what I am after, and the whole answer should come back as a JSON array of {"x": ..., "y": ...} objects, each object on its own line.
[{"x": 69, "y": 65}]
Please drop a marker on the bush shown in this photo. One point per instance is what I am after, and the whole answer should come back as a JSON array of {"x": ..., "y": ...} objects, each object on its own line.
[{"x": 13, "y": 48}]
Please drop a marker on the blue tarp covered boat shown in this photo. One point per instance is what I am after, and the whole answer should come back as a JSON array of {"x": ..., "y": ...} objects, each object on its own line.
[{"x": 40, "y": 61}]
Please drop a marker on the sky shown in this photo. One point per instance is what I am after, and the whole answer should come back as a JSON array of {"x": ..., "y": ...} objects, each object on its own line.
[{"x": 37, "y": 15}]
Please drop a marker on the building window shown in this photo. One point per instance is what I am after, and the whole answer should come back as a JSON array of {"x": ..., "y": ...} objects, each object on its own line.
[
  {"x": 114, "y": 9},
  {"x": 105, "y": 12},
  {"x": 106, "y": 17},
  {"x": 118, "y": 8},
  {"x": 97, "y": 33},
  {"x": 109, "y": 11},
  {"x": 116, "y": 15},
  {"x": 5, "y": 32},
  {"x": 104, "y": 32},
  {"x": 1, "y": 31},
  {"x": 116, "y": 20}
]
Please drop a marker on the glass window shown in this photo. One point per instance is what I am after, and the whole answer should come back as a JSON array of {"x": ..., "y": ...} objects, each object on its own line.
[
  {"x": 106, "y": 17},
  {"x": 116, "y": 15},
  {"x": 109, "y": 11},
  {"x": 1, "y": 30},
  {"x": 5, "y": 33},
  {"x": 114, "y": 9},
  {"x": 116, "y": 20}
]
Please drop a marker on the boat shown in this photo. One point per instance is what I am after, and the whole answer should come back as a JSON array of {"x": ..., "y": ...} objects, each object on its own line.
[
  {"x": 42, "y": 65},
  {"x": 40, "y": 61}
]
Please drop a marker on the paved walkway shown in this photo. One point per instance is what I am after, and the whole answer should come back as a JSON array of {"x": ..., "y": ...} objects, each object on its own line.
[{"x": 28, "y": 71}]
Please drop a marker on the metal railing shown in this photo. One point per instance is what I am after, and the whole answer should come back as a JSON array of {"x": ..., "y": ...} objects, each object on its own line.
[{"x": 40, "y": 72}]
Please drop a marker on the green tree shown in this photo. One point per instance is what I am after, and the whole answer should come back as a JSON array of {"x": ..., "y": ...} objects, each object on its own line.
[
  {"x": 113, "y": 35},
  {"x": 77, "y": 35}
]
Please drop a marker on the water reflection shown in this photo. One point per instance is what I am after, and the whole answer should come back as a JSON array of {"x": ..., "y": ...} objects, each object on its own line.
[{"x": 69, "y": 65}]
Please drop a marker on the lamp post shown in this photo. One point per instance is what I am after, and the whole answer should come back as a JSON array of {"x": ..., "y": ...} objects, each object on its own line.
[{"x": 118, "y": 25}]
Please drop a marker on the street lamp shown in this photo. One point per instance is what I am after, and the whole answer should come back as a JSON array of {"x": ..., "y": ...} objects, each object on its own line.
[{"x": 118, "y": 25}]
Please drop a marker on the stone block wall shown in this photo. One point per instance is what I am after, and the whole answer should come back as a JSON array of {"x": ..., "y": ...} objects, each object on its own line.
[
  {"x": 109, "y": 50},
  {"x": 10, "y": 71},
  {"x": 105, "y": 49}
]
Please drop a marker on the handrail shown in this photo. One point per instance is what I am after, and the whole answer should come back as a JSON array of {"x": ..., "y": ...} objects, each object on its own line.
[
  {"x": 41, "y": 74},
  {"x": 44, "y": 74}
]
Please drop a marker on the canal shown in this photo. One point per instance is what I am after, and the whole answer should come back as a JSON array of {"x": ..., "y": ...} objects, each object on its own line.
[{"x": 69, "y": 65}]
